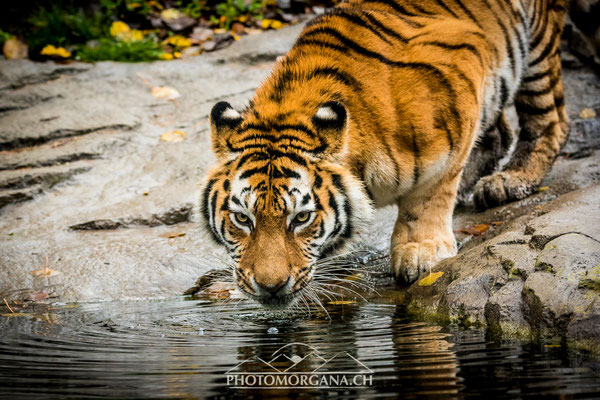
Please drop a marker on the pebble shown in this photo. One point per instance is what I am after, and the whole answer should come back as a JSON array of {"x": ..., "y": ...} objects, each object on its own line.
[{"x": 273, "y": 330}]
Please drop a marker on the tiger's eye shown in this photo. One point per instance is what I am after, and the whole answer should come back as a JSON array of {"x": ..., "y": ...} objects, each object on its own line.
[
  {"x": 302, "y": 217},
  {"x": 241, "y": 218}
]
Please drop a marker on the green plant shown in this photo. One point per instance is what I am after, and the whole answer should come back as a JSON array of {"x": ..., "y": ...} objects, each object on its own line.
[
  {"x": 233, "y": 9},
  {"x": 116, "y": 50},
  {"x": 62, "y": 26},
  {"x": 4, "y": 36}
]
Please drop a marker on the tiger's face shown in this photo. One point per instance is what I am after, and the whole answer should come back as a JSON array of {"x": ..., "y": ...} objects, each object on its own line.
[{"x": 278, "y": 200}]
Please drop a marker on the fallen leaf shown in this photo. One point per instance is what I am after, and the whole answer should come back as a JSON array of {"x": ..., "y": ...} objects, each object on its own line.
[
  {"x": 173, "y": 235},
  {"x": 342, "y": 302},
  {"x": 60, "y": 52},
  {"x": 497, "y": 223},
  {"x": 38, "y": 296},
  {"x": 14, "y": 49},
  {"x": 173, "y": 136},
  {"x": 587, "y": 113},
  {"x": 44, "y": 271},
  {"x": 543, "y": 188},
  {"x": 475, "y": 230},
  {"x": 552, "y": 345},
  {"x": 165, "y": 92},
  {"x": 430, "y": 279}
]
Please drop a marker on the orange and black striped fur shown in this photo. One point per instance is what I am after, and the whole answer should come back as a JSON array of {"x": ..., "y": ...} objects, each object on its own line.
[{"x": 381, "y": 102}]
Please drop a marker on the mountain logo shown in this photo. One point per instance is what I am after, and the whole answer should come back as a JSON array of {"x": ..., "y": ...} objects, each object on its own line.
[{"x": 300, "y": 365}]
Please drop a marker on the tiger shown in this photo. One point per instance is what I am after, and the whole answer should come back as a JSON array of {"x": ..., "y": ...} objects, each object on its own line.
[{"x": 383, "y": 102}]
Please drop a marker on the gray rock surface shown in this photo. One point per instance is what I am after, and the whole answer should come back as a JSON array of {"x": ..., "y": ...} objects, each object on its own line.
[{"x": 86, "y": 182}]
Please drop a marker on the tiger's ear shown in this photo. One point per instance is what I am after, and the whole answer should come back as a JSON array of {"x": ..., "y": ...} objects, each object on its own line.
[
  {"x": 223, "y": 122},
  {"x": 330, "y": 121}
]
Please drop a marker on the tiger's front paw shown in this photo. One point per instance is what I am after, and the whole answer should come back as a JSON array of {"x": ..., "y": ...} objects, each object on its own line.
[
  {"x": 409, "y": 260},
  {"x": 500, "y": 188}
]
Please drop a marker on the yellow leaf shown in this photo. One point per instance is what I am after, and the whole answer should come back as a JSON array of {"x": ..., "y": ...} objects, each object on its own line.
[
  {"x": 178, "y": 41},
  {"x": 276, "y": 24},
  {"x": 173, "y": 136},
  {"x": 118, "y": 27},
  {"x": 132, "y": 6},
  {"x": 50, "y": 50},
  {"x": 265, "y": 23},
  {"x": 430, "y": 279},
  {"x": 342, "y": 302},
  {"x": 587, "y": 113},
  {"x": 552, "y": 345},
  {"x": 133, "y": 35},
  {"x": 165, "y": 92},
  {"x": 176, "y": 54},
  {"x": 543, "y": 188},
  {"x": 166, "y": 56}
]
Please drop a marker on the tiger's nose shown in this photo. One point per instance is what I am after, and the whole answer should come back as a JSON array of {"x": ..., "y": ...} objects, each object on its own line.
[{"x": 272, "y": 288}]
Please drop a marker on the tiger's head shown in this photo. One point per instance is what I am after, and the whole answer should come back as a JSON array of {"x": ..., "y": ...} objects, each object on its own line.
[{"x": 280, "y": 197}]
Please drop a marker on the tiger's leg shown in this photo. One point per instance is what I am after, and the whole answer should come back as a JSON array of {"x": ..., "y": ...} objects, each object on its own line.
[
  {"x": 492, "y": 145},
  {"x": 423, "y": 232},
  {"x": 544, "y": 130}
]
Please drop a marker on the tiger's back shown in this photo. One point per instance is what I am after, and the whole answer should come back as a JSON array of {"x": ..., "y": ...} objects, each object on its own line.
[{"x": 394, "y": 96}]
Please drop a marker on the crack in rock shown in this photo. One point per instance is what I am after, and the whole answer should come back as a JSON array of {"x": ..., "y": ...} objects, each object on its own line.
[
  {"x": 59, "y": 134},
  {"x": 171, "y": 217}
]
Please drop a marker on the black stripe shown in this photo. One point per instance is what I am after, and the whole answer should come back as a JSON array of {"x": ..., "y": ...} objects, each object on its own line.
[
  {"x": 534, "y": 110},
  {"x": 503, "y": 92},
  {"x": 259, "y": 170},
  {"x": 448, "y": 46},
  {"x": 468, "y": 12},
  {"x": 371, "y": 54},
  {"x": 392, "y": 4},
  {"x": 445, "y": 7},
  {"x": 549, "y": 46},
  {"x": 385, "y": 28},
  {"x": 355, "y": 19},
  {"x": 278, "y": 127},
  {"x": 336, "y": 74},
  {"x": 537, "y": 76}
]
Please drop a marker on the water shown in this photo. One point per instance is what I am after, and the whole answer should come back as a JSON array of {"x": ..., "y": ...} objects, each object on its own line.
[{"x": 183, "y": 348}]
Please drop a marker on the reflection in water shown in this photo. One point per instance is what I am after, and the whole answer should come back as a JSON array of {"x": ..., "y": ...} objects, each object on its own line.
[{"x": 184, "y": 349}]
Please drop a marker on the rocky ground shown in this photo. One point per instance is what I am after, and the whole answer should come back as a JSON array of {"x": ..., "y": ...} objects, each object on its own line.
[{"x": 87, "y": 182}]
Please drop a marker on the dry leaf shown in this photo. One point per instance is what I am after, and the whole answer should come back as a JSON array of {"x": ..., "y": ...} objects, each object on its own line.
[
  {"x": 543, "y": 188},
  {"x": 430, "y": 280},
  {"x": 342, "y": 302},
  {"x": 475, "y": 230},
  {"x": 14, "y": 49},
  {"x": 552, "y": 345},
  {"x": 44, "y": 271},
  {"x": 173, "y": 235},
  {"x": 165, "y": 92},
  {"x": 497, "y": 223},
  {"x": 173, "y": 136},
  {"x": 587, "y": 113},
  {"x": 38, "y": 296}
]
